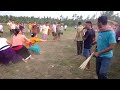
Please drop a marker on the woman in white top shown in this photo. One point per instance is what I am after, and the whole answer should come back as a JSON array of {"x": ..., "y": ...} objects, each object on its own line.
[{"x": 7, "y": 54}]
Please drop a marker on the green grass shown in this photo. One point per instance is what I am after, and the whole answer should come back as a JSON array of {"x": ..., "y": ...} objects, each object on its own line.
[{"x": 57, "y": 61}]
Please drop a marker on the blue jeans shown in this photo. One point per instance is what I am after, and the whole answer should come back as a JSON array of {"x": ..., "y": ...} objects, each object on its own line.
[
  {"x": 86, "y": 52},
  {"x": 102, "y": 67}
]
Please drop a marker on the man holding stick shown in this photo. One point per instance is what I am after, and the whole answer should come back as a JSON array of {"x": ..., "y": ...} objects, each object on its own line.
[
  {"x": 105, "y": 43},
  {"x": 88, "y": 38}
]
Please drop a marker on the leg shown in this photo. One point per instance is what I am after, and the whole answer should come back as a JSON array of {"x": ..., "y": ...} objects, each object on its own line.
[
  {"x": 59, "y": 35},
  {"x": 89, "y": 53},
  {"x": 81, "y": 46},
  {"x": 98, "y": 65},
  {"x": 78, "y": 47},
  {"x": 86, "y": 54},
  {"x": 105, "y": 64},
  {"x": 43, "y": 36}
]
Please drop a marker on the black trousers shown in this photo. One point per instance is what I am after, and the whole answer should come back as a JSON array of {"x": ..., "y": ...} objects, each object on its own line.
[{"x": 79, "y": 47}]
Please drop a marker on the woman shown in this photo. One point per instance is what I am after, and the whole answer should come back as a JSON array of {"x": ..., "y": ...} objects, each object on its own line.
[
  {"x": 7, "y": 54},
  {"x": 32, "y": 45},
  {"x": 17, "y": 44}
]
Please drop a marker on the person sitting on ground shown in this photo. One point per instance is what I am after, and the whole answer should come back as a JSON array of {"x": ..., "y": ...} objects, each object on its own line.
[{"x": 32, "y": 44}]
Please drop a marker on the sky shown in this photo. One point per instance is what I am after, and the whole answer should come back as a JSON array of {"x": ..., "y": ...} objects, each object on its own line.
[{"x": 53, "y": 14}]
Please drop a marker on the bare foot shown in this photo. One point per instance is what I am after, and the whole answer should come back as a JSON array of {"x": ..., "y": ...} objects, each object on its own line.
[
  {"x": 25, "y": 60},
  {"x": 87, "y": 69},
  {"x": 32, "y": 58}
]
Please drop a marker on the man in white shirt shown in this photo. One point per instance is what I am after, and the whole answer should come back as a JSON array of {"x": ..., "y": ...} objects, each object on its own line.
[
  {"x": 65, "y": 27},
  {"x": 1, "y": 28},
  {"x": 12, "y": 27},
  {"x": 45, "y": 29}
]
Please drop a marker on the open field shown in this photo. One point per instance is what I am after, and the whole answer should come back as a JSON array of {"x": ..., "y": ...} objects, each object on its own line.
[{"x": 58, "y": 60}]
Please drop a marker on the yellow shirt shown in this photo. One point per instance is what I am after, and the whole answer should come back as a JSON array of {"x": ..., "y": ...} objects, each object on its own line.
[
  {"x": 80, "y": 33},
  {"x": 30, "y": 26},
  {"x": 45, "y": 29},
  {"x": 33, "y": 40}
]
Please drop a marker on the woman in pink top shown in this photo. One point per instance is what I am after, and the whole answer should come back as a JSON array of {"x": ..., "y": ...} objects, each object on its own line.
[{"x": 17, "y": 44}]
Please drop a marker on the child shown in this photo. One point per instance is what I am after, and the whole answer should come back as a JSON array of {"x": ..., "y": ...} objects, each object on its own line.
[{"x": 32, "y": 46}]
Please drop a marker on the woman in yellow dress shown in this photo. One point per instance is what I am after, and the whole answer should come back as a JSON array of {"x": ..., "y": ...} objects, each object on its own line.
[{"x": 32, "y": 45}]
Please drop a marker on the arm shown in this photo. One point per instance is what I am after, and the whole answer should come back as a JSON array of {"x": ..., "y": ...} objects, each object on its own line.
[
  {"x": 39, "y": 40},
  {"x": 9, "y": 42},
  {"x": 43, "y": 40},
  {"x": 75, "y": 37},
  {"x": 26, "y": 39},
  {"x": 104, "y": 51},
  {"x": 86, "y": 35}
]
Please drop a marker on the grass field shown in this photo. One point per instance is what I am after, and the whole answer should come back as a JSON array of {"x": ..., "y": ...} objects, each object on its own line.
[{"x": 57, "y": 61}]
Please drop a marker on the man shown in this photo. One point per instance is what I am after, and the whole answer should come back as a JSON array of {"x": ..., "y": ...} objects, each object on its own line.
[
  {"x": 79, "y": 39},
  {"x": 59, "y": 30},
  {"x": 12, "y": 27},
  {"x": 65, "y": 27},
  {"x": 21, "y": 27},
  {"x": 118, "y": 34},
  {"x": 1, "y": 28},
  {"x": 105, "y": 43},
  {"x": 35, "y": 28},
  {"x": 54, "y": 31},
  {"x": 88, "y": 38},
  {"x": 30, "y": 28},
  {"x": 45, "y": 29}
]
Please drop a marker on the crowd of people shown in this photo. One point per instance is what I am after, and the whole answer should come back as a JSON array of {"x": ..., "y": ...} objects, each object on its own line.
[
  {"x": 20, "y": 45},
  {"x": 104, "y": 41},
  {"x": 18, "y": 48}
]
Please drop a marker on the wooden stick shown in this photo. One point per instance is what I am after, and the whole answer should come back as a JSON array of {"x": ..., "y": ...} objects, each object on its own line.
[{"x": 84, "y": 64}]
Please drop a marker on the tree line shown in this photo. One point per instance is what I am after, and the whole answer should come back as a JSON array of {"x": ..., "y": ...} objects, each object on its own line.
[{"x": 65, "y": 20}]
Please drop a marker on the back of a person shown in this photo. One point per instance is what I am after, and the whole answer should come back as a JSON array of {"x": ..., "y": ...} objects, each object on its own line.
[
  {"x": 33, "y": 40},
  {"x": 79, "y": 33},
  {"x": 18, "y": 40},
  {"x": 58, "y": 28},
  {"x": 3, "y": 43},
  {"x": 89, "y": 40},
  {"x": 103, "y": 42}
]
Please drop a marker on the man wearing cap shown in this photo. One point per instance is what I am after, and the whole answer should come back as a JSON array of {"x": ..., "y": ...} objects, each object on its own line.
[{"x": 105, "y": 43}]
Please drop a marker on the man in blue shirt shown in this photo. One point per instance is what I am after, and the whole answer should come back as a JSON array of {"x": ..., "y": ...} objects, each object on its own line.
[{"x": 105, "y": 43}]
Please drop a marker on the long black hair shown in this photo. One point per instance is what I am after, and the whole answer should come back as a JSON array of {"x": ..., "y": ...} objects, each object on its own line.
[{"x": 16, "y": 31}]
